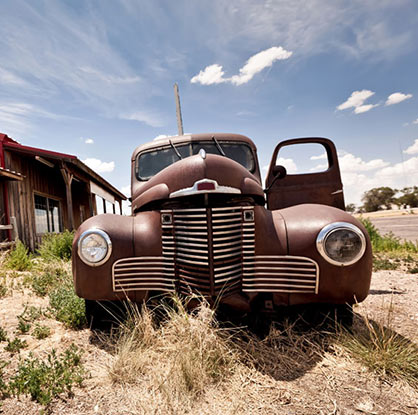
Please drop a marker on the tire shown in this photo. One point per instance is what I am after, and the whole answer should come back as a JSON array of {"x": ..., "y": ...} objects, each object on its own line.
[
  {"x": 336, "y": 316},
  {"x": 102, "y": 315}
]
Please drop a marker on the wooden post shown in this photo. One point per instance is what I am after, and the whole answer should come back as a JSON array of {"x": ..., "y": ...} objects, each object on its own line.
[
  {"x": 68, "y": 178},
  {"x": 90, "y": 196},
  {"x": 15, "y": 232},
  {"x": 178, "y": 109}
]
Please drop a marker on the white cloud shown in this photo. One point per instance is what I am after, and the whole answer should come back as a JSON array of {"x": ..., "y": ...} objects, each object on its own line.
[
  {"x": 397, "y": 97},
  {"x": 319, "y": 167},
  {"x": 415, "y": 121},
  {"x": 7, "y": 77},
  {"x": 89, "y": 141},
  {"x": 322, "y": 156},
  {"x": 364, "y": 108},
  {"x": 350, "y": 163},
  {"x": 258, "y": 62},
  {"x": 356, "y": 101},
  {"x": 406, "y": 170},
  {"x": 288, "y": 163},
  {"x": 359, "y": 175},
  {"x": 363, "y": 30},
  {"x": 109, "y": 78},
  {"x": 214, "y": 74},
  {"x": 145, "y": 117},
  {"x": 413, "y": 149},
  {"x": 16, "y": 117},
  {"x": 99, "y": 166}
]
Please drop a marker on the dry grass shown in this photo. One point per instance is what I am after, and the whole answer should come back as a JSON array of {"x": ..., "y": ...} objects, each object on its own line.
[
  {"x": 381, "y": 349},
  {"x": 178, "y": 356}
]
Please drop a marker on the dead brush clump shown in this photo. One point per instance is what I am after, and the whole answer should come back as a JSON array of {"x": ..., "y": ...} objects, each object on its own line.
[{"x": 179, "y": 356}]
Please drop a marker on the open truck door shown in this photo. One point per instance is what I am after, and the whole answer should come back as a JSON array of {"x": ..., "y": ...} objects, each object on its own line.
[{"x": 292, "y": 187}]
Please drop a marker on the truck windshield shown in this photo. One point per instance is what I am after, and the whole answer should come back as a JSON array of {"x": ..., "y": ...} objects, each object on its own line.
[{"x": 151, "y": 162}]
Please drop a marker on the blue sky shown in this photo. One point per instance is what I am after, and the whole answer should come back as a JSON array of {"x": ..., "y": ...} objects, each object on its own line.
[{"x": 95, "y": 79}]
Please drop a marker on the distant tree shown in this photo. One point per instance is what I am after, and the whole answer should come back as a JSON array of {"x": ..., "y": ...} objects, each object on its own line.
[
  {"x": 351, "y": 207},
  {"x": 409, "y": 197},
  {"x": 378, "y": 198}
]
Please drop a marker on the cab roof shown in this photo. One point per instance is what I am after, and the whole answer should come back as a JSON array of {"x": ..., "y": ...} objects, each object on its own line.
[{"x": 187, "y": 138}]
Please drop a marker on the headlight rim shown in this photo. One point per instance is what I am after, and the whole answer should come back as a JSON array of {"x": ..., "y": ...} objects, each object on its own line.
[
  {"x": 332, "y": 227},
  {"x": 107, "y": 239}
]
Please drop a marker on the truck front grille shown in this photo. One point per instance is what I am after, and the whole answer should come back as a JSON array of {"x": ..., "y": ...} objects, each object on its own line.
[
  {"x": 211, "y": 251},
  {"x": 207, "y": 247}
]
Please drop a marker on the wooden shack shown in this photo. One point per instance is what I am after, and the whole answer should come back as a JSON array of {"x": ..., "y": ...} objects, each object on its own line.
[{"x": 44, "y": 191}]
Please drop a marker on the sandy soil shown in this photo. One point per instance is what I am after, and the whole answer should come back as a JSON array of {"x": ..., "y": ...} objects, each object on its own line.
[{"x": 330, "y": 384}]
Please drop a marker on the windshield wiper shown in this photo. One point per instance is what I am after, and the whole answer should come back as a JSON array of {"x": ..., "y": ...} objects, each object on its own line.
[
  {"x": 218, "y": 146},
  {"x": 175, "y": 150}
]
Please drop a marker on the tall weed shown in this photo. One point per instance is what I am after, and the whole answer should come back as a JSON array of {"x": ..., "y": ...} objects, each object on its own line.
[
  {"x": 67, "y": 307},
  {"x": 56, "y": 246},
  {"x": 19, "y": 258}
]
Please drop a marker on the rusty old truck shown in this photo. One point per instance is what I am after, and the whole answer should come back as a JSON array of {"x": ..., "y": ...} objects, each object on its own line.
[{"x": 203, "y": 225}]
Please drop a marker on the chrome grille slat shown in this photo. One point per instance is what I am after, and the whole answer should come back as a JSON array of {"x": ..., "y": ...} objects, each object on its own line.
[{"x": 285, "y": 274}]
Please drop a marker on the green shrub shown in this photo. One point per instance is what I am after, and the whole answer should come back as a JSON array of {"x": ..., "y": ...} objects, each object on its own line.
[
  {"x": 388, "y": 242},
  {"x": 19, "y": 258},
  {"x": 384, "y": 264},
  {"x": 3, "y": 289},
  {"x": 56, "y": 246},
  {"x": 67, "y": 307},
  {"x": 41, "y": 332},
  {"x": 3, "y": 386},
  {"x": 46, "y": 379},
  {"x": 23, "y": 326},
  {"x": 30, "y": 313},
  {"x": 43, "y": 283},
  {"x": 3, "y": 335},
  {"x": 13, "y": 346}
]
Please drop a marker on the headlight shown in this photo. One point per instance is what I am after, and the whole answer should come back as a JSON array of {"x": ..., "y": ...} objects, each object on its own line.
[
  {"x": 94, "y": 247},
  {"x": 341, "y": 243}
]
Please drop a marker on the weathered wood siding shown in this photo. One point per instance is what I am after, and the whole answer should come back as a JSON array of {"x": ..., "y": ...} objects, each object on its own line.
[{"x": 40, "y": 179}]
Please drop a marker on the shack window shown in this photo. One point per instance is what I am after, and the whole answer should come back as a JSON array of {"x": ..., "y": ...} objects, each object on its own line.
[{"x": 47, "y": 215}]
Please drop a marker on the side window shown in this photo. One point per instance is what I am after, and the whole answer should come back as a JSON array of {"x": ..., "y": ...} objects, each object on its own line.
[
  {"x": 47, "y": 215},
  {"x": 303, "y": 158}
]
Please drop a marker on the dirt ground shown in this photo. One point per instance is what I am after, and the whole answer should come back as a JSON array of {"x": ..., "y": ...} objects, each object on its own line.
[{"x": 332, "y": 384}]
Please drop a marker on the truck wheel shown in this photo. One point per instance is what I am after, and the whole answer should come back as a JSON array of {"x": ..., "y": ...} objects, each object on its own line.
[
  {"x": 101, "y": 315},
  {"x": 336, "y": 315},
  {"x": 344, "y": 315}
]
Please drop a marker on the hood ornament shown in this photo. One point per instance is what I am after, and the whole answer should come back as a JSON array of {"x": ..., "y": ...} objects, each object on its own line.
[{"x": 202, "y": 153}]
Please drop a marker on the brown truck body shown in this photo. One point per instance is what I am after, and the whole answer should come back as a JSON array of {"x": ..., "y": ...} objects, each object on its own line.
[{"x": 199, "y": 225}]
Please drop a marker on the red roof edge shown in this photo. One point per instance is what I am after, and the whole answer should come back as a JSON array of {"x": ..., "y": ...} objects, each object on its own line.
[{"x": 12, "y": 144}]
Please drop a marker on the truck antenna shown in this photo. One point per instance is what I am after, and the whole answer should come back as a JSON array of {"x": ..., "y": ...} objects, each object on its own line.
[{"x": 178, "y": 109}]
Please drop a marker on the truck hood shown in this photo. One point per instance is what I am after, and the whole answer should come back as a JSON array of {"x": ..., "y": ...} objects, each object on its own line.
[{"x": 185, "y": 173}]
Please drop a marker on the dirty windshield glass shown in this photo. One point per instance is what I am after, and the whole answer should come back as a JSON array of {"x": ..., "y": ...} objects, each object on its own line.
[{"x": 151, "y": 162}]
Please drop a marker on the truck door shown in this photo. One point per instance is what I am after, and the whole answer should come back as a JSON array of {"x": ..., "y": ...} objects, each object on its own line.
[{"x": 305, "y": 184}]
